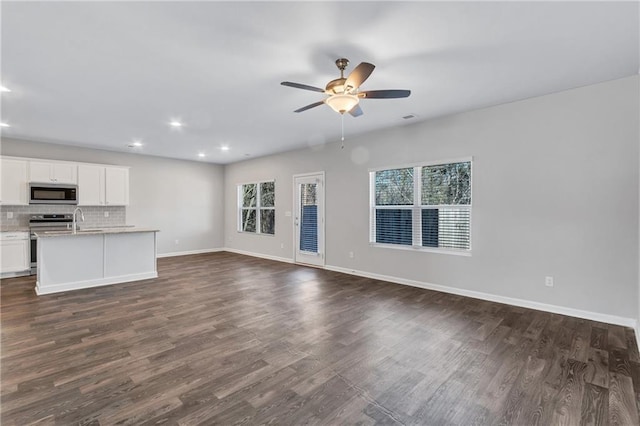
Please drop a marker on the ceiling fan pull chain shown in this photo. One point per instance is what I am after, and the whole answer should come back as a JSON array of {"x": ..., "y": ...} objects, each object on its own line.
[{"x": 342, "y": 118}]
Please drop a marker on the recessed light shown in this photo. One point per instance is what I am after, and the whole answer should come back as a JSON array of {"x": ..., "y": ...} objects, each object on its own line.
[
  {"x": 175, "y": 123},
  {"x": 224, "y": 148},
  {"x": 4, "y": 125},
  {"x": 4, "y": 89},
  {"x": 135, "y": 144},
  {"x": 201, "y": 154}
]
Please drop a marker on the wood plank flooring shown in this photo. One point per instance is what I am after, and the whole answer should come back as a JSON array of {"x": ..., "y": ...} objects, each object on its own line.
[{"x": 228, "y": 339}]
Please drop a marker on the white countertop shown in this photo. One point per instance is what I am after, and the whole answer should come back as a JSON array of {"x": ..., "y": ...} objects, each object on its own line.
[{"x": 93, "y": 231}]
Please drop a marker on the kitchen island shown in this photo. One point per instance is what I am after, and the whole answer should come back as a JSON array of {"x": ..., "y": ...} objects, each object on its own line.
[{"x": 69, "y": 260}]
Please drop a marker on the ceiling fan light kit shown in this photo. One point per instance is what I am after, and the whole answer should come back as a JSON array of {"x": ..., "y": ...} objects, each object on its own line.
[
  {"x": 343, "y": 94},
  {"x": 342, "y": 103}
]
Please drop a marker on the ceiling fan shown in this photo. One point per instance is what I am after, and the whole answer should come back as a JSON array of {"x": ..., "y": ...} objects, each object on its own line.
[{"x": 344, "y": 94}]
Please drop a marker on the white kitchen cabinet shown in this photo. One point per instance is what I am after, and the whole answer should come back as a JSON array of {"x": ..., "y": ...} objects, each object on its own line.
[
  {"x": 100, "y": 186},
  {"x": 14, "y": 252},
  {"x": 117, "y": 186},
  {"x": 91, "y": 185},
  {"x": 39, "y": 172},
  {"x": 50, "y": 172},
  {"x": 14, "y": 182}
]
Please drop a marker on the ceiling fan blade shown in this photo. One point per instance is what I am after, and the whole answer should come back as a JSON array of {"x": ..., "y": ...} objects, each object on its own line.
[
  {"x": 384, "y": 94},
  {"x": 313, "y": 105},
  {"x": 359, "y": 74},
  {"x": 356, "y": 111},
  {"x": 302, "y": 86}
]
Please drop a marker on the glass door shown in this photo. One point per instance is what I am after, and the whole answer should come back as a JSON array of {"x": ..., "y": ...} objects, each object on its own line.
[{"x": 309, "y": 219}]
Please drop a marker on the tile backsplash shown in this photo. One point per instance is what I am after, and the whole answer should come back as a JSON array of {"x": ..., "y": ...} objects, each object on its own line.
[{"x": 93, "y": 215}]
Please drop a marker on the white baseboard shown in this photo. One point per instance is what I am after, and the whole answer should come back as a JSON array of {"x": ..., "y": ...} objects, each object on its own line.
[
  {"x": 188, "y": 252},
  {"x": 260, "y": 255},
  {"x": 58, "y": 288},
  {"x": 578, "y": 313},
  {"x": 15, "y": 274},
  {"x": 594, "y": 316}
]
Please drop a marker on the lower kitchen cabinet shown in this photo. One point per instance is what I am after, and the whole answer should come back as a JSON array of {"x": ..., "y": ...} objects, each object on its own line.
[{"x": 14, "y": 253}]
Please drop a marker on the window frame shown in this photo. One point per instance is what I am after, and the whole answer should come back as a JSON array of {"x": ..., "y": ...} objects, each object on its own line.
[
  {"x": 417, "y": 207},
  {"x": 258, "y": 207}
]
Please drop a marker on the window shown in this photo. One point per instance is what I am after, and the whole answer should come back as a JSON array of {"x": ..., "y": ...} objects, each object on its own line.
[
  {"x": 309, "y": 217},
  {"x": 256, "y": 202},
  {"x": 426, "y": 206}
]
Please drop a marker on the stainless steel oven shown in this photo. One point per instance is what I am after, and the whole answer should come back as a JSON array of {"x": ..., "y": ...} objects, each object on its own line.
[
  {"x": 43, "y": 223},
  {"x": 53, "y": 193}
]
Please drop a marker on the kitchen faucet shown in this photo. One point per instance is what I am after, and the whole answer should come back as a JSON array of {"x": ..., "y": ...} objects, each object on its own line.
[{"x": 75, "y": 224}]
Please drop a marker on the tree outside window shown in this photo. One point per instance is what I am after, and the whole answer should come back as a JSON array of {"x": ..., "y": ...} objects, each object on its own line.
[{"x": 257, "y": 207}]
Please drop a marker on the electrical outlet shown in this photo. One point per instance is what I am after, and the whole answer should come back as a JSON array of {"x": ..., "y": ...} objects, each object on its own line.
[
  {"x": 106, "y": 214},
  {"x": 9, "y": 215},
  {"x": 351, "y": 255},
  {"x": 548, "y": 281},
  {"x": 282, "y": 245},
  {"x": 177, "y": 241}
]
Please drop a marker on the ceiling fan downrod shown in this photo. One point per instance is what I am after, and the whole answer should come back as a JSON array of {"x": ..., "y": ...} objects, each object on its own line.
[{"x": 342, "y": 65}]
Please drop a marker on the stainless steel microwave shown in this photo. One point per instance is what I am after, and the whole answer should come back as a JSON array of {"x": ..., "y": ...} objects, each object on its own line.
[{"x": 53, "y": 193}]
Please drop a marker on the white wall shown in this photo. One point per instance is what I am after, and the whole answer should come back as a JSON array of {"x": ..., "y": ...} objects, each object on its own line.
[
  {"x": 555, "y": 192},
  {"x": 183, "y": 199}
]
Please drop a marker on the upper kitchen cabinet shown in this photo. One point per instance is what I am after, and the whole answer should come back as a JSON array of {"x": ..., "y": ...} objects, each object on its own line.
[
  {"x": 52, "y": 172},
  {"x": 117, "y": 186},
  {"x": 100, "y": 185},
  {"x": 14, "y": 186},
  {"x": 91, "y": 185}
]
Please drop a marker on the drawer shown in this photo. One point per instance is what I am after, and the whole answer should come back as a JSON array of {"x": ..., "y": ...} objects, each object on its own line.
[{"x": 8, "y": 236}]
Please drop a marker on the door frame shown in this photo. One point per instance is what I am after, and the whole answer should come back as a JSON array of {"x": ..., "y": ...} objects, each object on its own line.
[{"x": 321, "y": 210}]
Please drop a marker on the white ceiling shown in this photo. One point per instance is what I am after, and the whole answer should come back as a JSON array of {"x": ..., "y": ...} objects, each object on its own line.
[{"x": 103, "y": 74}]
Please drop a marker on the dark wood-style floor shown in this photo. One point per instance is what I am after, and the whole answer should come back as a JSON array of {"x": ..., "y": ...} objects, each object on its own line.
[{"x": 224, "y": 339}]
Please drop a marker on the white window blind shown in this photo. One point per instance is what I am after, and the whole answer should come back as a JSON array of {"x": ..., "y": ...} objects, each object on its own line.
[
  {"x": 309, "y": 217},
  {"x": 426, "y": 206},
  {"x": 394, "y": 201}
]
